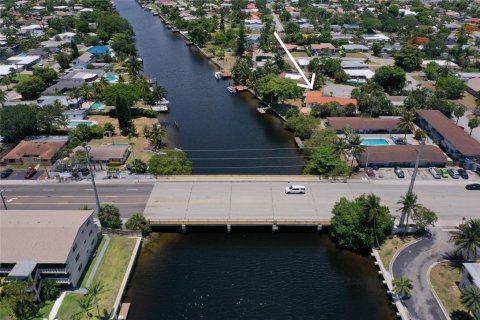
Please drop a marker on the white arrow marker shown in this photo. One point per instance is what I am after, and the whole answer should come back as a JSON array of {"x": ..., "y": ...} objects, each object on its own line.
[{"x": 309, "y": 84}]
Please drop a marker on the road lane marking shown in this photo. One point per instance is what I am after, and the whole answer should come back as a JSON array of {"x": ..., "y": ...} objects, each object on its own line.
[
  {"x": 88, "y": 189},
  {"x": 48, "y": 189},
  {"x": 132, "y": 189},
  {"x": 83, "y": 196},
  {"x": 10, "y": 200},
  {"x": 74, "y": 203}
]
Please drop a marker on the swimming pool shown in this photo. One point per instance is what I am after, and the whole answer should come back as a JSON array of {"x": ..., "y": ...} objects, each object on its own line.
[
  {"x": 97, "y": 105},
  {"x": 375, "y": 142},
  {"x": 111, "y": 78},
  {"x": 75, "y": 123}
]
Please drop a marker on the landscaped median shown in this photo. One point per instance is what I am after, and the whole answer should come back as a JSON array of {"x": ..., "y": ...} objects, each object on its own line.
[{"x": 110, "y": 274}]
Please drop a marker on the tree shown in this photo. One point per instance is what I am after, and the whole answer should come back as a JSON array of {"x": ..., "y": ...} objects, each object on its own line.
[
  {"x": 138, "y": 222},
  {"x": 17, "y": 122},
  {"x": 409, "y": 206},
  {"x": 459, "y": 112},
  {"x": 451, "y": 87},
  {"x": 128, "y": 91},
  {"x": 50, "y": 117},
  {"x": 408, "y": 58},
  {"x": 73, "y": 50},
  {"x": 138, "y": 166},
  {"x": 30, "y": 88},
  {"x": 109, "y": 217},
  {"x": 326, "y": 162},
  {"x": 407, "y": 122},
  {"x": 355, "y": 146},
  {"x": 79, "y": 135},
  {"x": 473, "y": 123},
  {"x": 199, "y": 36},
  {"x": 124, "y": 115},
  {"x": 424, "y": 217},
  {"x": 241, "y": 40},
  {"x": 63, "y": 60},
  {"x": 134, "y": 67},
  {"x": 370, "y": 24},
  {"x": 94, "y": 291},
  {"x": 470, "y": 299},
  {"x": 172, "y": 162},
  {"x": 391, "y": 78},
  {"x": 241, "y": 71},
  {"x": 109, "y": 127},
  {"x": 85, "y": 303},
  {"x": 123, "y": 44},
  {"x": 432, "y": 71},
  {"x": 372, "y": 100},
  {"x": 359, "y": 223},
  {"x": 403, "y": 286},
  {"x": 49, "y": 290},
  {"x": 466, "y": 238},
  {"x": 86, "y": 92},
  {"x": 155, "y": 135},
  {"x": 20, "y": 299},
  {"x": 48, "y": 75},
  {"x": 377, "y": 49},
  {"x": 301, "y": 125}
]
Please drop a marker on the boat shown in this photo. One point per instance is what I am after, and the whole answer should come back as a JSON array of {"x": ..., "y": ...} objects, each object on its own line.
[
  {"x": 218, "y": 75},
  {"x": 160, "y": 108},
  {"x": 231, "y": 89},
  {"x": 261, "y": 111},
  {"x": 163, "y": 101},
  {"x": 175, "y": 30}
]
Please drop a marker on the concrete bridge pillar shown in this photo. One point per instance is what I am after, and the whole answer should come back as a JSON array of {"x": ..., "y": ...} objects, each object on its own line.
[
  {"x": 229, "y": 228},
  {"x": 319, "y": 228},
  {"x": 274, "y": 228},
  {"x": 184, "y": 228}
]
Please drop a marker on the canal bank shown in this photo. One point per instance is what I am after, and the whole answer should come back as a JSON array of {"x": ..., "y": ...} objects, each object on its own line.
[{"x": 221, "y": 133}]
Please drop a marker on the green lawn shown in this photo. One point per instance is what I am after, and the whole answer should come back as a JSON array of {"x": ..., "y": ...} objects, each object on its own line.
[
  {"x": 19, "y": 77},
  {"x": 110, "y": 272},
  {"x": 43, "y": 312},
  {"x": 390, "y": 247},
  {"x": 92, "y": 263}
]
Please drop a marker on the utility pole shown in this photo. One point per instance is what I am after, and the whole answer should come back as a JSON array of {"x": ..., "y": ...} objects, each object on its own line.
[
  {"x": 3, "y": 200},
  {"x": 87, "y": 150},
  {"x": 417, "y": 163}
]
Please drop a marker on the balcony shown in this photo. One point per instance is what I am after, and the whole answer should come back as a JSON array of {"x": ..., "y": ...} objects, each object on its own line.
[{"x": 53, "y": 271}]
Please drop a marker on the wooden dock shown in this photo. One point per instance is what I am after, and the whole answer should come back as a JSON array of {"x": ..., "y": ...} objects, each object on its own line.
[
  {"x": 241, "y": 88},
  {"x": 123, "y": 314}
]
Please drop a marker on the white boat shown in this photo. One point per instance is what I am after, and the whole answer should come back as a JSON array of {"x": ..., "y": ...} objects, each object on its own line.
[
  {"x": 231, "y": 89},
  {"x": 160, "y": 108},
  {"x": 163, "y": 102},
  {"x": 218, "y": 75}
]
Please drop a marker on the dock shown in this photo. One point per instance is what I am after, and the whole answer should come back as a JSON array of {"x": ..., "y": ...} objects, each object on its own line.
[
  {"x": 123, "y": 314},
  {"x": 241, "y": 88},
  {"x": 262, "y": 111},
  {"x": 299, "y": 143},
  {"x": 231, "y": 89}
]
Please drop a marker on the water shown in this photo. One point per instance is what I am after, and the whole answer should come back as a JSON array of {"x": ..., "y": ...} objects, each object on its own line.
[
  {"x": 253, "y": 276},
  {"x": 98, "y": 105},
  {"x": 75, "y": 123},
  {"x": 215, "y": 128},
  {"x": 375, "y": 142}
]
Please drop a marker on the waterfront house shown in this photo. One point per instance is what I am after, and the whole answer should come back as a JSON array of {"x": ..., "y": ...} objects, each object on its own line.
[
  {"x": 36, "y": 149},
  {"x": 458, "y": 144},
  {"x": 65, "y": 101},
  {"x": 46, "y": 244},
  {"x": 363, "y": 125},
  {"x": 316, "y": 97},
  {"x": 104, "y": 154},
  {"x": 470, "y": 277},
  {"x": 402, "y": 156}
]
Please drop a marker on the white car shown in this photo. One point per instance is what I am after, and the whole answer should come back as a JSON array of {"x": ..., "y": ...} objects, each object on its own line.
[
  {"x": 295, "y": 189},
  {"x": 434, "y": 173}
]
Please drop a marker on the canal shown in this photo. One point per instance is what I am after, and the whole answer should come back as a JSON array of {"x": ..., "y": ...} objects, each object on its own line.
[{"x": 221, "y": 133}]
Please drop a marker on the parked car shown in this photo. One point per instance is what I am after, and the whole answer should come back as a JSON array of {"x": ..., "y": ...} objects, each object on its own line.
[
  {"x": 473, "y": 186},
  {"x": 444, "y": 173},
  {"x": 463, "y": 173},
  {"x": 30, "y": 173},
  {"x": 399, "y": 172},
  {"x": 85, "y": 172},
  {"x": 453, "y": 173},
  {"x": 369, "y": 171},
  {"x": 434, "y": 172},
  {"x": 6, "y": 173},
  {"x": 295, "y": 189}
]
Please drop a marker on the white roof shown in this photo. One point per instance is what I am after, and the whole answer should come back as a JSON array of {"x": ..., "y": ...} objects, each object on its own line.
[
  {"x": 293, "y": 76},
  {"x": 441, "y": 63},
  {"x": 31, "y": 27},
  {"x": 23, "y": 60},
  {"x": 84, "y": 75},
  {"x": 368, "y": 74},
  {"x": 45, "y": 236},
  {"x": 474, "y": 270},
  {"x": 5, "y": 69},
  {"x": 86, "y": 10},
  {"x": 377, "y": 36}
]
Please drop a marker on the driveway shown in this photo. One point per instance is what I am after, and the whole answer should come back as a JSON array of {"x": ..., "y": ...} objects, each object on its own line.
[{"x": 414, "y": 262}]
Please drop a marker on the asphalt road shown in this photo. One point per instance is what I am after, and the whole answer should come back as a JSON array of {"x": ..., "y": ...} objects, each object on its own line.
[{"x": 242, "y": 200}]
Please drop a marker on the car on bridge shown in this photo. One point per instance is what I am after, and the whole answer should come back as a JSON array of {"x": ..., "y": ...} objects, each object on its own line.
[
  {"x": 295, "y": 189},
  {"x": 473, "y": 186}
]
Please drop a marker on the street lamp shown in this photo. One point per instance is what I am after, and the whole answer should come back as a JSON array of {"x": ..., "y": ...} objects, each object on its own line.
[
  {"x": 3, "y": 199},
  {"x": 87, "y": 150},
  {"x": 417, "y": 163}
]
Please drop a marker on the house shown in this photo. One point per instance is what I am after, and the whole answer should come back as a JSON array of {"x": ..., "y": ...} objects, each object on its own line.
[
  {"x": 402, "y": 156},
  {"x": 359, "y": 77},
  {"x": 458, "y": 144},
  {"x": 36, "y": 149},
  {"x": 470, "y": 277},
  {"x": 65, "y": 36},
  {"x": 323, "y": 49},
  {"x": 397, "y": 101},
  {"x": 364, "y": 125},
  {"x": 75, "y": 114},
  {"x": 316, "y": 97},
  {"x": 23, "y": 62},
  {"x": 63, "y": 100},
  {"x": 354, "y": 48},
  {"x": 353, "y": 64},
  {"x": 473, "y": 87},
  {"x": 33, "y": 30},
  {"x": 342, "y": 37},
  {"x": 46, "y": 244},
  {"x": 442, "y": 63},
  {"x": 83, "y": 61},
  {"x": 371, "y": 38},
  {"x": 99, "y": 50},
  {"x": 103, "y": 154}
]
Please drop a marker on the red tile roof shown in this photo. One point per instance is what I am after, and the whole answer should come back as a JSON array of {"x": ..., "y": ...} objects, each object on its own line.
[
  {"x": 323, "y": 46},
  {"x": 358, "y": 123},
  {"x": 34, "y": 149},
  {"x": 455, "y": 135},
  {"x": 317, "y": 97},
  {"x": 402, "y": 153}
]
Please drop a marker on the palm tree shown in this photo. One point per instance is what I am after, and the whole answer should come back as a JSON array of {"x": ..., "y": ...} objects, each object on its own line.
[
  {"x": 134, "y": 67},
  {"x": 138, "y": 222},
  {"x": 470, "y": 299},
  {"x": 403, "y": 286},
  {"x": 341, "y": 146},
  {"x": 473, "y": 123},
  {"x": 130, "y": 136},
  {"x": 458, "y": 112},
  {"x": 86, "y": 304},
  {"x": 155, "y": 134},
  {"x": 159, "y": 93},
  {"x": 409, "y": 207},
  {"x": 94, "y": 291},
  {"x": 3, "y": 97},
  {"x": 467, "y": 237},
  {"x": 407, "y": 122},
  {"x": 371, "y": 206},
  {"x": 355, "y": 146},
  {"x": 87, "y": 93}
]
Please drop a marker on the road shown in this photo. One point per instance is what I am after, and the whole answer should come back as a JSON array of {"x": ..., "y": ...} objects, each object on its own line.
[
  {"x": 414, "y": 263},
  {"x": 243, "y": 200}
]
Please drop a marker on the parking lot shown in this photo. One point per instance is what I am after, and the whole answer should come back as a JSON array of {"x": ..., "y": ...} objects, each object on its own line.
[
  {"x": 422, "y": 174},
  {"x": 18, "y": 175}
]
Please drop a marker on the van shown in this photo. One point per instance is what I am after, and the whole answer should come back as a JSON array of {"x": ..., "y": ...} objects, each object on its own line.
[
  {"x": 434, "y": 173},
  {"x": 295, "y": 189}
]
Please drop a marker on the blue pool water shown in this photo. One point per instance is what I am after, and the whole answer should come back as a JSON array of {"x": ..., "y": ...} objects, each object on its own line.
[
  {"x": 111, "y": 78},
  {"x": 74, "y": 124},
  {"x": 375, "y": 142},
  {"x": 97, "y": 105}
]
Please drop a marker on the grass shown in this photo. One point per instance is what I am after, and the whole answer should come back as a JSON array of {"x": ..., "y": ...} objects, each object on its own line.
[
  {"x": 43, "y": 312},
  {"x": 92, "y": 263},
  {"x": 110, "y": 273},
  {"x": 19, "y": 77},
  {"x": 444, "y": 279},
  {"x": 355, "y": 55},
  {"x": 390, "y": 247}
]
